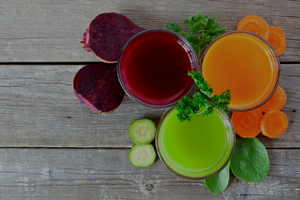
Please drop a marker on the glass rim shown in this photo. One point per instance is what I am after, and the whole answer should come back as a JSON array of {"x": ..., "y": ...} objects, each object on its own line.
[
  {"x": 120, "y": 57},
  {"x": 276, "y": 59},
  {"x": 190, "y": 177}
]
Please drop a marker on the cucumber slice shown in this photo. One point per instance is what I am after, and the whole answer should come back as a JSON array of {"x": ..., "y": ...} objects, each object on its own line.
[
  {"x": 142, "y": 155},
  {"x": 142, "y": 131}
]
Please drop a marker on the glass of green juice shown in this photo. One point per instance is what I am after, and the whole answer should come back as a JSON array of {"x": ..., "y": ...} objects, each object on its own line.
[{"x": 197, "y": 149}]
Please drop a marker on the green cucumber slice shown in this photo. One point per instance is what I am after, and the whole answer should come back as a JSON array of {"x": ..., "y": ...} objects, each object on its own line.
[
  {"x": 142, "y": 155},
  {"x": 142, "y": 131}
]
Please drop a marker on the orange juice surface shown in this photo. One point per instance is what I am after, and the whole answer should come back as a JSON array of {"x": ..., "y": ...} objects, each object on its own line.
[{"x": 245, "y": 65}]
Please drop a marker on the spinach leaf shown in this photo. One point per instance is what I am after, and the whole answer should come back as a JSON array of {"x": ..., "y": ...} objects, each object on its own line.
[
  {"x": 250, "y": 160},
  {"x": 218, "y": 183}
]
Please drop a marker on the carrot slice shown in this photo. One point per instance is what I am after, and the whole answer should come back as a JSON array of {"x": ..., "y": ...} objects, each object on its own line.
[
  {"x": 274, "y": 123},
  {"x": 247, "y": 124},
  {"x": 276, "y": 102},
  {"x": 277, "y": 39},
  {"x": 254, "y": 24}
]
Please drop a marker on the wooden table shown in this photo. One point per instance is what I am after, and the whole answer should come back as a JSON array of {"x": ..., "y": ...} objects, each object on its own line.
[{"x": 52, "y": 147}]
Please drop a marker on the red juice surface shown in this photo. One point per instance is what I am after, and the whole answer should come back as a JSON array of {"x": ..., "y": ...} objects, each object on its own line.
[{"x": 154, "y": 68}]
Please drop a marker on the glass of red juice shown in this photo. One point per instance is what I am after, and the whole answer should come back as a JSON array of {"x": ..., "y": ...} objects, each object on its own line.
[{"x": 153, "y": 67}]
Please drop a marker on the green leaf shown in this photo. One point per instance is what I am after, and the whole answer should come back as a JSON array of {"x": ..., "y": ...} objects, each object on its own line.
[
  {"x": 174, "y": 27},
  {"x": 203, "y": 30},
  {"x": 250, "y": 160},
  {"x": 186, "y": 106},
  {"x": 201, "y": 82},
  {"x": 219, "y": 182}
]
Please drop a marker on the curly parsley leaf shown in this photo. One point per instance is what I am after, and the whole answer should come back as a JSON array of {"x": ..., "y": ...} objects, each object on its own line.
[
  {"x": 201, "y": 83},
  {"x": 185, "y": 108},
  {"x": 222, "y": 101},
  {"x": 174, "y": 27},
  {"x": 203, "y": 99},
  {"x": 203, "y": 30}
]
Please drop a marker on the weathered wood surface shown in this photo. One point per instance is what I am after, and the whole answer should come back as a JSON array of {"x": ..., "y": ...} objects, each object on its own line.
[
  {"x": 50, "y": 31},
  {"x": 39, "y": 109},
  {"x": 33, "y": 174}
]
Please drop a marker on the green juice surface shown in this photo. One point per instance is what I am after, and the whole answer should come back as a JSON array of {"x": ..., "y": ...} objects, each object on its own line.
[{"x": 196, "y": 148}]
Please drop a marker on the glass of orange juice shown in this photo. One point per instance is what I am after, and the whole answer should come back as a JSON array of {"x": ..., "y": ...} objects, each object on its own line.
[{"x": 244, "y": 63}]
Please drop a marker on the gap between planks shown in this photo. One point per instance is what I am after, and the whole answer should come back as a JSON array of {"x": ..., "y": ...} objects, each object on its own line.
[
  {"x": 50, "y": 63},
  {"x": 84, "y": 63},
  {"x": 91, "y": 148},
  {"x": 117, "y": 148}
]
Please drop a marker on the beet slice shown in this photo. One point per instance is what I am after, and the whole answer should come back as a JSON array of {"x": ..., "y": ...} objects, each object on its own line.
[
  {"x": 107, "y": 34},
  {"x": 97, "y": 87}
]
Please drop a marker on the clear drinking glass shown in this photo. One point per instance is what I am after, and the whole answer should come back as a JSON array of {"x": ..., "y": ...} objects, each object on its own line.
[
  {"x": 227, "y": 76},
  {"x": 146, "y": 96},
  {"x": 197, "y": 149}
]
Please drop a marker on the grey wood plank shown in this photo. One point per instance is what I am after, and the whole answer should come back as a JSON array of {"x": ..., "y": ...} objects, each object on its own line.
[
  {"x": 50, "y": 31},
  {"x": 39, "y": 109},
  {"x": 60, "y": 174},
  {"x": 290, "y": 82}
]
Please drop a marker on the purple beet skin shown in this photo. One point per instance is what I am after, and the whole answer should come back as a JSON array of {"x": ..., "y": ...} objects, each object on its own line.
[
  {"x": 107, "y": 34},
  {"x": 97, "y": 87}
]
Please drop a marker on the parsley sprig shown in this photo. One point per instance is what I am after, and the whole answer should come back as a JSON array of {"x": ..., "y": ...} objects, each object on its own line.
[
  {"x": 203, "y": 30},
  {"x": 202, "y": 99}
]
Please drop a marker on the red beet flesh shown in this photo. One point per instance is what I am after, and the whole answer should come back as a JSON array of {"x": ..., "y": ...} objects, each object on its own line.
[
  {"x": 97, "y": 87},
  {"x": 107, "y": 34}
]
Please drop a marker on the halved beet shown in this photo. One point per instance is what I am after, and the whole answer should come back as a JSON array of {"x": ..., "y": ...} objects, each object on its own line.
[
  {"x": 107, "y": 34},
  {"x": 97, "y": 87}
]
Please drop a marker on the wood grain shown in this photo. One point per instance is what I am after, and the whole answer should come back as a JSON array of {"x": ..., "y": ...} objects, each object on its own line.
[
  {"x": 39, "y": 31},
  {"x": 39, "y": 109},
  {"x": 290, "y": 82},
  {"x": 60, "y": 174}
]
